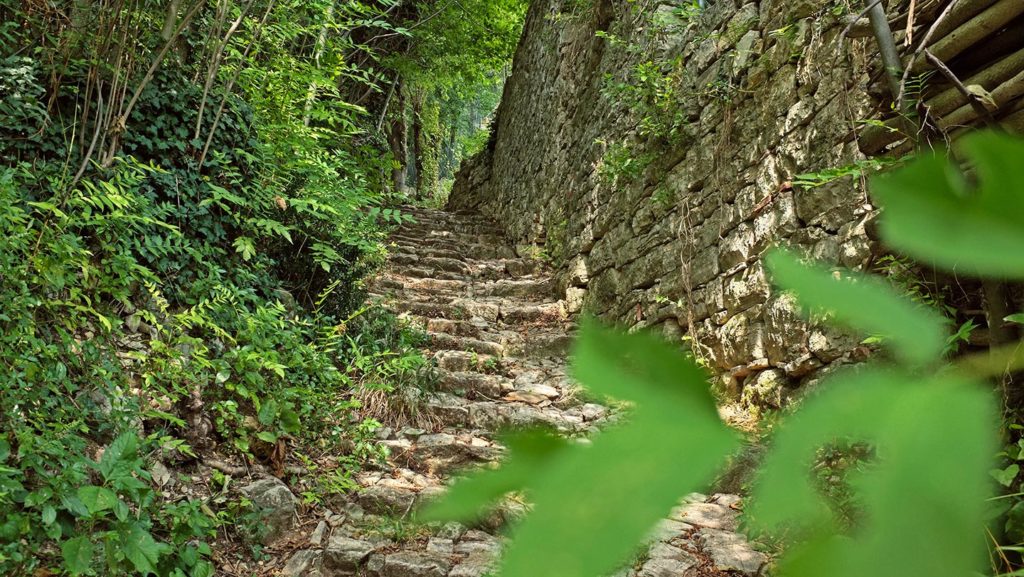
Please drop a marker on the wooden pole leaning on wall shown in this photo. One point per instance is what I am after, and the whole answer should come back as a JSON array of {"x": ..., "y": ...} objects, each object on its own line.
[
  {"x": 886, "y": 45},
  {"x": 891, "y": 61}
]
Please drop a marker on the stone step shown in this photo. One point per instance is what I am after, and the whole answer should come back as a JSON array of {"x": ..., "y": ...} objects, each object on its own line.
[
  {"x": 473, "y": 384},
  {"x": 444, "y": 452},
  {"x": 453, "y": 229},
  {"x": 462, "y": 361},
  {"x": 400, "y": 261},
  {"x": 534, "y": 344},
  {"x": 534, "y": 314},
  {"x": 444, "y": 341},
  {"x": 396, "y": 284},
  {"x": 529, "y": 290},
  {"x": 426, "y": 273},
  {"x": 444, "y": 218},
  {"x": 510, "y": 312},
  {"x": 445, "y": 268},
  {"x": 468, "y": 237},
  {"x": 434, "y": 310},
  {"x": 476, "y": 251},
  {"x": 450, "y": 327},
  {"x": 503, "y": 415}
]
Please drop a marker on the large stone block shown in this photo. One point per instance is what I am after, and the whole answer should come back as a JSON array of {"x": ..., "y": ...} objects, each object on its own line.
[
  {"x": 830, "y": 205},
  {"x": 276, "y": 504}
]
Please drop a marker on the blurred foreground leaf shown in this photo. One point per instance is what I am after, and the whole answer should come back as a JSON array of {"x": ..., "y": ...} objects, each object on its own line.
[
  {"x": 924, "y": 495},
  {"x": 594, "y": 504},
  {"x": 931, "y": 213},
  {"x": 863, "y": 303}
]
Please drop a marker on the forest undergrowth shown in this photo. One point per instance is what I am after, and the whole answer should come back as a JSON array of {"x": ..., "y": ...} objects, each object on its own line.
[{"x": 192, "y": 194}]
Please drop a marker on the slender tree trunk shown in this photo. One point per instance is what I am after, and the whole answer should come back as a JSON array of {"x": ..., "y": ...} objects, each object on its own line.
[
  {"x": 318, "y": 52},
  {"x": 211, "y": 73},
  {"x": 417, "y": 142},
  {"x": 170, "y": 20},
  {"x": 398, "y": 139},
  {"x": 120, "y": 123},
  {"x": 453, "y": 140}
]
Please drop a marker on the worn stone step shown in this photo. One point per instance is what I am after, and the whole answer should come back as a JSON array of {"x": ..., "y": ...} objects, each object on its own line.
[
  {"x": 530, "y": 291},
  {"x": 427, "y": 273},
  {"x": 485, "y": 270},
  {"x": 543, "y": 313},
  {"x": 451, "y": 236},
  {"x": 473, "y": 384},
  {"x": 476, "y": 251},
  {"x": 442, "y": 218},
  {"x": 444, "y": 341},
  {"x": 533, "y": 288},
  {"x": 501, "y": 415},
  {"x": 462, "y": 361},
  {"x": 399, "y": 261},
  {"x": 399, "y": 285},
  {"x": 452, "y": 327},
  {"x": 442, "y": 452},
  {"x": 454, "y": 229},
  {"x": 439, "y": 310},
  {"x": 404, "y": 258},
  {"x": 534, "y": 344},
  {"x": 404, "y": 240}
]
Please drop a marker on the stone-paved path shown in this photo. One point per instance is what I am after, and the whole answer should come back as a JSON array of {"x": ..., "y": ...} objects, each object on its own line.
[{"x": 500, "y": 341}]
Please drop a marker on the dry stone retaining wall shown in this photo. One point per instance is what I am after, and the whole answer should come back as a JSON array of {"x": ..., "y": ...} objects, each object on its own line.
[{"x": 769, "y": 91}]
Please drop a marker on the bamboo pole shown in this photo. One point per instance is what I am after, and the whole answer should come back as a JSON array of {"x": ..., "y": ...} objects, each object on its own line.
[
  {"x": 873, "y": 139},
  {"x": 971, "y": 32}
]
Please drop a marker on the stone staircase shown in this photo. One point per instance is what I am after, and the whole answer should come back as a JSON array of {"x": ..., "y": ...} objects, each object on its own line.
[{"x": 500, "y": 339}]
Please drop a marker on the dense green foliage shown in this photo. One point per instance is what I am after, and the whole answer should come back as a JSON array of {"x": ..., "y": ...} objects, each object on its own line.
[
  {"x": 192, "y": 193},
  {"x": 926, "y": 429}
]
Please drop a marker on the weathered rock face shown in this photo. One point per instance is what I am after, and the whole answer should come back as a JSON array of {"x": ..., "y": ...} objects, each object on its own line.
[{"x": 765, "y": 91}]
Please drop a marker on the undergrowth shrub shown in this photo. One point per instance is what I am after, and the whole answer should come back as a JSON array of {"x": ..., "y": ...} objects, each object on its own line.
[{"x": 155, "y": 309}]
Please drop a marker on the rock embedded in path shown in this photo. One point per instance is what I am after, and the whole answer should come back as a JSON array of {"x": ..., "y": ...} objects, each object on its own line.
[
  {"x": 731, "y": 551},
  {"x": 304, "y": 564},
  {"x": 344, "y": 556},
  {"x": 276, "y": 504},
  {"x": 386, "y": 500},
  {"x": 415, "y": 564}
]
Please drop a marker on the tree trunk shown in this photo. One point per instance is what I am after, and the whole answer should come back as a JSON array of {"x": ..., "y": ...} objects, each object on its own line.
[
  {"x": 318, "y": 52},
  {"x": 417, "y": 142},
  {"x": 397, "y": 139},
  {"x": 453, "y": 140}
]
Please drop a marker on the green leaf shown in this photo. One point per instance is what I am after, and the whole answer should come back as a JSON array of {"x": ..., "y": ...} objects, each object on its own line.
[
  {"x": 1007, "y": 476},
  {"x": 49, "y": 515},
  {"x": 97, "y": 499},
  {"x": 930, "y": 212},
  {"x": 268, "y": 412},
  {"x": 528, "y": 451},
  {"x": 923, "y": 497},
  {"x": 1015, "y": 318},
  {"x": 124, "y": 448},
  {"x": 863, "y": 303},
  {"x": 141, "y": 549},
  {"x": 266, "y": 437},
  {"x": 245, "y": 246},
  {"x": 596, "y": 503},
  {"x": 203, "y": 569},
  {"x": 77, "y": 553}
]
